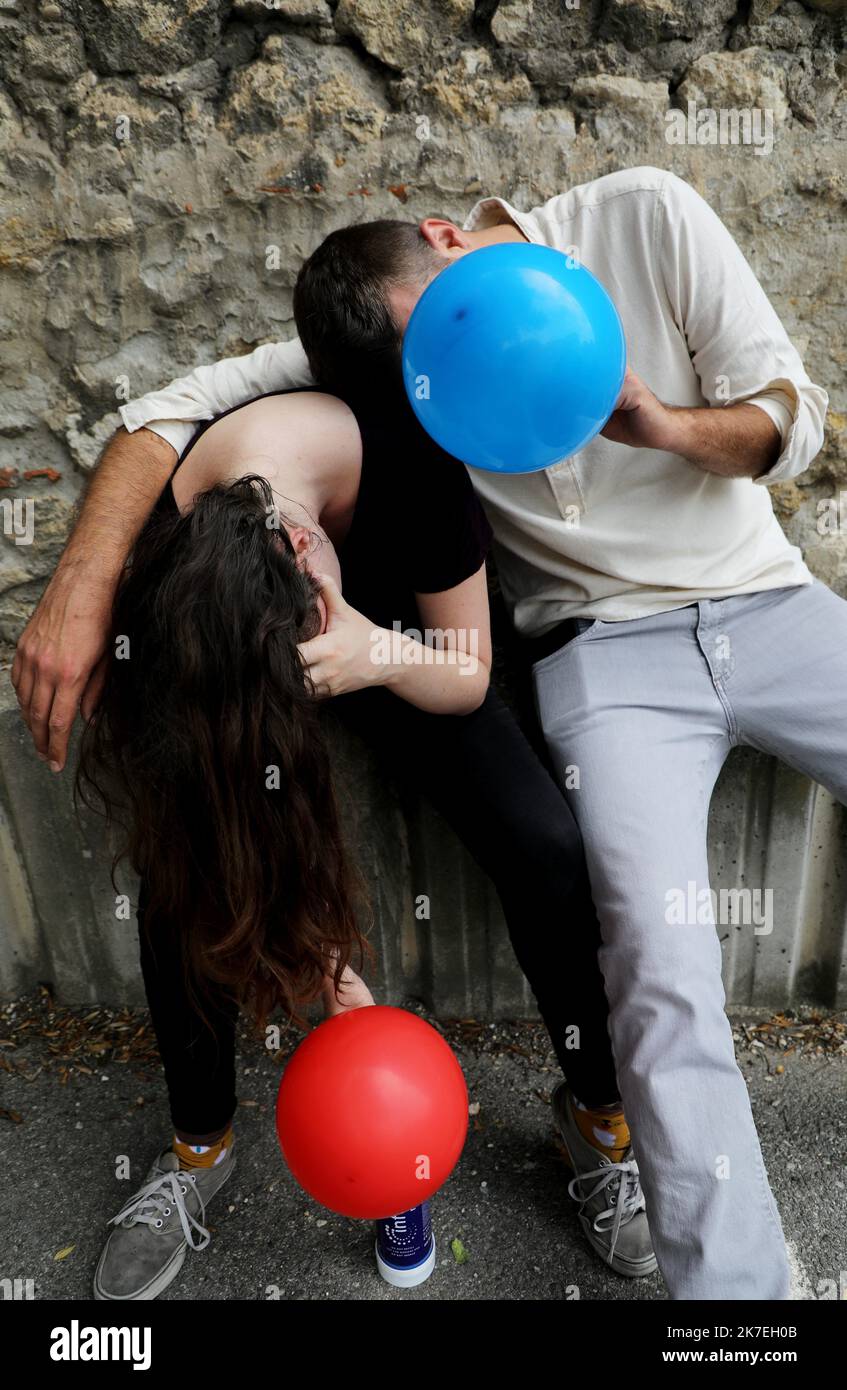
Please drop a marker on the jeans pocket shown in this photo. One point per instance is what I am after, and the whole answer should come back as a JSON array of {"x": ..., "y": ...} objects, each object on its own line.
[{"x": 547, "y": 661}]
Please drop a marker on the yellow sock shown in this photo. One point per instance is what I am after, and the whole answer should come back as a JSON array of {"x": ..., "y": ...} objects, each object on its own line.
[
  {"x": 202, "y": 1155},
  {"x": 606, "y": 1129}
]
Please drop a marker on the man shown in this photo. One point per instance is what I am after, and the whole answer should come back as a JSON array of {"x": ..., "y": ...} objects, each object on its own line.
[
  {"x": 677, "y": 547},
  {"x": 673, "y": 622}
]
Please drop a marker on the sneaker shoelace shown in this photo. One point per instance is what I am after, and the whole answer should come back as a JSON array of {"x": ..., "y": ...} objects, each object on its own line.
[
  {"x": 157, "y": 1199},
  {"x": 622, "y": 1185}
]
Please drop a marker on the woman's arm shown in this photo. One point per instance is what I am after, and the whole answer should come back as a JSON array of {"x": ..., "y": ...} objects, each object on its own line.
[{"x": 447, "y": 672}]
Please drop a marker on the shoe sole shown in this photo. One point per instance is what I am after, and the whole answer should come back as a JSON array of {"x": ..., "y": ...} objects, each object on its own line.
[{"x": 163, "y": 1279}]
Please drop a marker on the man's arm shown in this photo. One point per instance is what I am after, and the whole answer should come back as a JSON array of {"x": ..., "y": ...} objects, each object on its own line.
[
  {"x": 739, "y": 349},
  {"x": 737, "y": 441},
  {"x": 59, "y": 658},
  {"x": 208, "y": 390},
  {"x": 59, "y": 662}
]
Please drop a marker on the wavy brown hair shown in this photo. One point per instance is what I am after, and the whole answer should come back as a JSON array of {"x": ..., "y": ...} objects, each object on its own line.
[{"x": 207, "y": 749}]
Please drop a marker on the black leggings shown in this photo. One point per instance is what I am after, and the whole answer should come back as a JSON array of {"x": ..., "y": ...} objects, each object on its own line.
[{"x": 482, "y": 775}]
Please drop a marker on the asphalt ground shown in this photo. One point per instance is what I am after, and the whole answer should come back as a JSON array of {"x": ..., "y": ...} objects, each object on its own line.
[{"x": 79, "y": 1088}]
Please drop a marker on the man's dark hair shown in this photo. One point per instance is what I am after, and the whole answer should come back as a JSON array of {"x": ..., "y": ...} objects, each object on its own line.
[{"x": 341, "y": 302}]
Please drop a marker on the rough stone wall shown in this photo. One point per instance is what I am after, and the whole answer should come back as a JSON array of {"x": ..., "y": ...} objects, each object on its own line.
[{"x": 165, "y": 167}]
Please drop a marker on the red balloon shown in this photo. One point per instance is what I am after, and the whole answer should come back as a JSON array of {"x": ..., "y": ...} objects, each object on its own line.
[{"x": 372, "y": 1112}]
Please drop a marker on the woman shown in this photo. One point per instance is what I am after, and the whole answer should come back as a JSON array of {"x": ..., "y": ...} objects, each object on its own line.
[
  {"x": 229, "y": 625},
  {"x": 229, "y": 622}
]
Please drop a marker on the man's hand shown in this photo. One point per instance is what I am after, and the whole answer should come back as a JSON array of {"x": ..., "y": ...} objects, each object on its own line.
[
  {"x": 734, "y": 441},
  {"x": 639, "y": 418},
  {"x": 60, "y": 660},
  {"x": 339, "y": 660}
]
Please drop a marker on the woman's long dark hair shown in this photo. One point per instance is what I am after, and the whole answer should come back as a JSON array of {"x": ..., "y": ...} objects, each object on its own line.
[{"x": 207, "y": 748}]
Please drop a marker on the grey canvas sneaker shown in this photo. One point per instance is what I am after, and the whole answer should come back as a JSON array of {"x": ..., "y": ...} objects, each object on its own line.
[
  {"x": 145, "y": 1251},
  {"x": 611, "y": 1205}
]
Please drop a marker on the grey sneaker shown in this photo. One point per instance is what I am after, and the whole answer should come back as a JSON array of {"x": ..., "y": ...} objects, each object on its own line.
[
  {"x": 145, "y": 1251},
  {"x": 611, "y": 1204}
]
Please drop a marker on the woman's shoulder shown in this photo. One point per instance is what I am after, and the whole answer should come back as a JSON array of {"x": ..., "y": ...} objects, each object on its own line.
[
  {"x": 273, "y": 433},
  {"x": 301, "y": 414},
  {"x": 295, "y": 403}
]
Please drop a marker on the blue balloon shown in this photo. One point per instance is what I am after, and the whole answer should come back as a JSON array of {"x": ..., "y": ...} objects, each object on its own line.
[{"x": 513, "y": 358}]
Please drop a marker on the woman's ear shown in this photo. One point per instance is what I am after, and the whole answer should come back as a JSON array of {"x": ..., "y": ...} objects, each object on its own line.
[{"x": 301, "y": 540}]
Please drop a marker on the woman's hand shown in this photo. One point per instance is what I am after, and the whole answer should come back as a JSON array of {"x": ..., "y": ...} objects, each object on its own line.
[
  {"x": 353, "y": 993},
  {"x": 341, "y": 659}
]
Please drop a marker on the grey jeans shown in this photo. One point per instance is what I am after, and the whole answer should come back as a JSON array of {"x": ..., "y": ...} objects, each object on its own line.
[{"x": 639, "y": 717}]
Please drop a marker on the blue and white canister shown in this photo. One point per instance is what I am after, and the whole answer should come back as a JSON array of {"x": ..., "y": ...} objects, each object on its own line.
[{"x": 405, "y": 1247}]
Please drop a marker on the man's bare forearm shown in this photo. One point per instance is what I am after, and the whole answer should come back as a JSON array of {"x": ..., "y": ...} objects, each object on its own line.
[
  {"x": 735, "y": 441},
  {"x": 120, "y": 496},
  {"x": 61, "y": 656}
]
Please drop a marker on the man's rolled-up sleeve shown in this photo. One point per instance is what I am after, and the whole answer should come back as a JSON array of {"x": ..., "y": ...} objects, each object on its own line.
[
  {"x": 175, "y": 411},
  {"x": 739, "y": 348}
]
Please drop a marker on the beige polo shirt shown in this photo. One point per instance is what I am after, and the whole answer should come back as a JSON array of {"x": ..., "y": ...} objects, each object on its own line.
[{"x": 614, "y": 532}]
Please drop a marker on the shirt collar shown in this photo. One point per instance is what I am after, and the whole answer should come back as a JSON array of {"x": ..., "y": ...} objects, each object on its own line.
[{"x": 488, "y": 212}]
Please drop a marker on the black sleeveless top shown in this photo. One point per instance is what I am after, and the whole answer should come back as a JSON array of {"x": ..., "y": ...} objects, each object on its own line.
[{"x": 418, "y": 526}]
